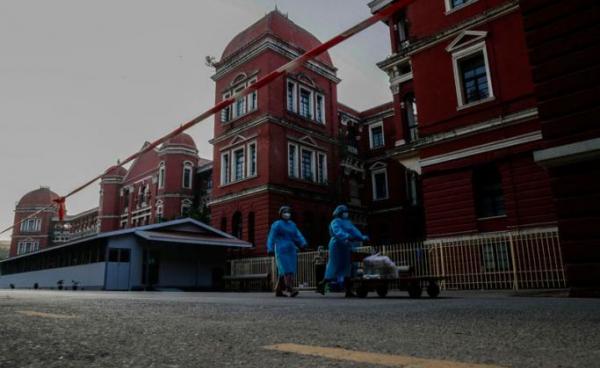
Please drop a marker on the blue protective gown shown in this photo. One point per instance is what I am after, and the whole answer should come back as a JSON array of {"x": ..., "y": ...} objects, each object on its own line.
[
  {"x": 344, "y": 237},
  {"x": 283, "y": 239}
]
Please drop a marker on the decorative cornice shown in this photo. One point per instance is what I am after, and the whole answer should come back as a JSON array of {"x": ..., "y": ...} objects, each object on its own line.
[{"x": 271, "y": 43}]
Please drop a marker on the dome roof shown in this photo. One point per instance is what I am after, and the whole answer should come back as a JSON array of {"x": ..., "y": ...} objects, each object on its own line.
[
  {"x": 280, "y": 26},
  {"x": 182, "y": 139},
  {"x": 116, "y": 171},
  {"x": 38, "y": 198}
]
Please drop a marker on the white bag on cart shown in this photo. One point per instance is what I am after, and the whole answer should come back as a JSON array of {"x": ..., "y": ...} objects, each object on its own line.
[{"x": 378, "y": 266}]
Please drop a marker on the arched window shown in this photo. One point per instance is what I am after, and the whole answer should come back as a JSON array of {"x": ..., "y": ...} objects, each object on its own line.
[
  {"x": 161, "y": 175},
  {"x": 236, "y": 225},
  {"x": 411, "y": 117},
  {"x": 251, "y": 224},
  {"x": 186, "y": 207},
  {"x": 187, "y": 175}
]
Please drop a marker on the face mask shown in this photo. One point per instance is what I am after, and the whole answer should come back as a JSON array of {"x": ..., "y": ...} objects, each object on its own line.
[
  {"x": 286, "y": 216},
  {"x": 345, "y": 215}
]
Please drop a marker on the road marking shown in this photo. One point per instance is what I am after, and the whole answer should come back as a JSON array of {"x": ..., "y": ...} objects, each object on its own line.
[
  {"x": 387, "y": 360},
  {"x": 46, "y": 315}
]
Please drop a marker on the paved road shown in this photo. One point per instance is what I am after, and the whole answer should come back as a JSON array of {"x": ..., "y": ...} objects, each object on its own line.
[{"x": 102, "y": 329}]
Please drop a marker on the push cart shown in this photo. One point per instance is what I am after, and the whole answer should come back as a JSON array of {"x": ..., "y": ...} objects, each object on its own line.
[{"x": 404, "y": 279}]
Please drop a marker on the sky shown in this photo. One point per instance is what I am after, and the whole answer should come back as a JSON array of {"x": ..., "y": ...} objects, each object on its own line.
[{"x": 84, "y": 83}]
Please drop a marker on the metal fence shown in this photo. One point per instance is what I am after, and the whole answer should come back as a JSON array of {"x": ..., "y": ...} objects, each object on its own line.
[{"x": 527, "y": 259}]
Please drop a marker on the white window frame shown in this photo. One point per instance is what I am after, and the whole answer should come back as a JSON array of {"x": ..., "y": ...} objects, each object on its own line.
[
  {"x": 324, "y": 178},
  {"x": 249, "y": 160},
  {"x": 252, "y": 97},
  {"x": 162, "y": 169},
  {"x": 313, "y": 166},
  {"x": 32, "y": 225},
  {"x": 187, "y": 165},
  {"x": 236, "y": 113},
  {"x": 234, "y": 164},
  {"x": 450, "y": 9},
  {"x": 457, "y": 56},
  {"x": 311, "y": 102},
  {"x": 371, "y": 142},
  {"x": 320, "y": 119},
  {"x": 225, "y": 171},
  {"x": 226, "y": 113},
  {"x": 160, "y": 210},
  {"x": 375, "y": 172},
  {"x": 186, "y": 203},
  {"x": 294, "y": 107},
  {"x": 296, "y": 169}
]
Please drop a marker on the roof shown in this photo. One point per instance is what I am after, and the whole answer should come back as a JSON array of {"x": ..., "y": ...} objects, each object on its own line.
[
  {"x": 38, "y": 198},
  {"x": 182, "y": 231},
  {"x": 182, "y": 139},
  {"x": 280, "y": 26},
  {"x": 116, "y": 170}
]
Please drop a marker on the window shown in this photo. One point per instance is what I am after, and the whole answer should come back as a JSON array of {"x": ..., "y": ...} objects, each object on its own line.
[
  {"x": 187, "y": 175},
  {"x": 457, "y": 4},
  {"x": 252, "y": 160},
  {"x": 412, "y": 122},
  {"x": 291, "y": 97},
  {"x": 402, "y": 30},
  {"x": 238, "y": 166},
  {"x": 376, "y": 138},
  {"x": 380, "y": 184},
  {"x": 322, "y": 168},
  {"x": 31, "y": 225},
  {"x": 489, "y": 198},
  {"x": 160, "y": 210},
  {"x": 125, "y": 200},
  {"x": 307, "y": 164},
  {"x": 186, "y": 207},
  {"x": 308, "y": 159},
  {"x": 236, "y": 225},
  {"x": 27, "y": 246},
  {"x": 293, "y": 161},
  {"x": 306, "y": 105},
  {"x": 161, "y": 175},
  {"x": 226, "y": 112},
  {"x": 320, "y": 109},
  {"x": 472, "y": 75},
  {"x": 242, "y": 105},
  {"x": 225, "y": 168}
]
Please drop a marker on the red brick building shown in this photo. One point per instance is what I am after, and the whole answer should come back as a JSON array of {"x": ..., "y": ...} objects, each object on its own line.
[{"x": 466, "y": 118}]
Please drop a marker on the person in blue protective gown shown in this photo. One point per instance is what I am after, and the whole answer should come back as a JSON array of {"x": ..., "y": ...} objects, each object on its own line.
[
  {"x": 284, "y": 238},
  {"x": 344, "y": 237}
]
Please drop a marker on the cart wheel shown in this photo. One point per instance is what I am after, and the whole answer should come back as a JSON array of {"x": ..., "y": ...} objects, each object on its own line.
[
  {"x": 362, "y": 291},
  {"x": 382, "y": 291},
  {"x": 433, "y": 289},
  {"x": 415, "y": 290}
]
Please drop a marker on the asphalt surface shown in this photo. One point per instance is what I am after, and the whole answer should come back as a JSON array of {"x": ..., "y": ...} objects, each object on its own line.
[{"x": 172, "y": 329}]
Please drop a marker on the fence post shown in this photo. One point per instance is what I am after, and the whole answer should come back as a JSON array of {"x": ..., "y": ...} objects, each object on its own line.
[
  {"x": 443, "y": 265},
  {"x": 514, "y": 263}
]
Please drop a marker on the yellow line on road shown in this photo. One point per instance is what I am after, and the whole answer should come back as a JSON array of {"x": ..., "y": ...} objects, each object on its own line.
[
  {"x": 387, "y": 360},
  {"x": 46, "y": 315}
]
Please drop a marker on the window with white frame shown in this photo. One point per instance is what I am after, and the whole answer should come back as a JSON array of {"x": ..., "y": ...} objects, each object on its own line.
[
  {"x": 307, "y": 164},
  {"x": 27, "y": 246},
  {"x": 160, "y": 211},
  {"x": 238, "y": 164},
  {"x": 225, "y": 168},
  {"x": 188, "y": 170},
  {"x": 293, "y": 160},
  {"x": 242, "y": 105},
  {"x": 306, "y": 101},
  {"x": 31, "y": 225},
  {"x": 452, "y": 5},
  {"x": 411, "y": 116},
  {"x": 472, "y": 75},
  {"x": 252, "y": 168},
  {"x": 161, "y": 175},
  {"x": 186, "y": 207},
  {"x": 412, "y": 187},
  {"x": 379, "y": 183},
  {"x": 376, "y": 138}
]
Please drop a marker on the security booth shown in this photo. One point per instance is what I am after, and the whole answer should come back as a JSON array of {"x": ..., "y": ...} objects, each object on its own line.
[{"x": 182, "y": 254}]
